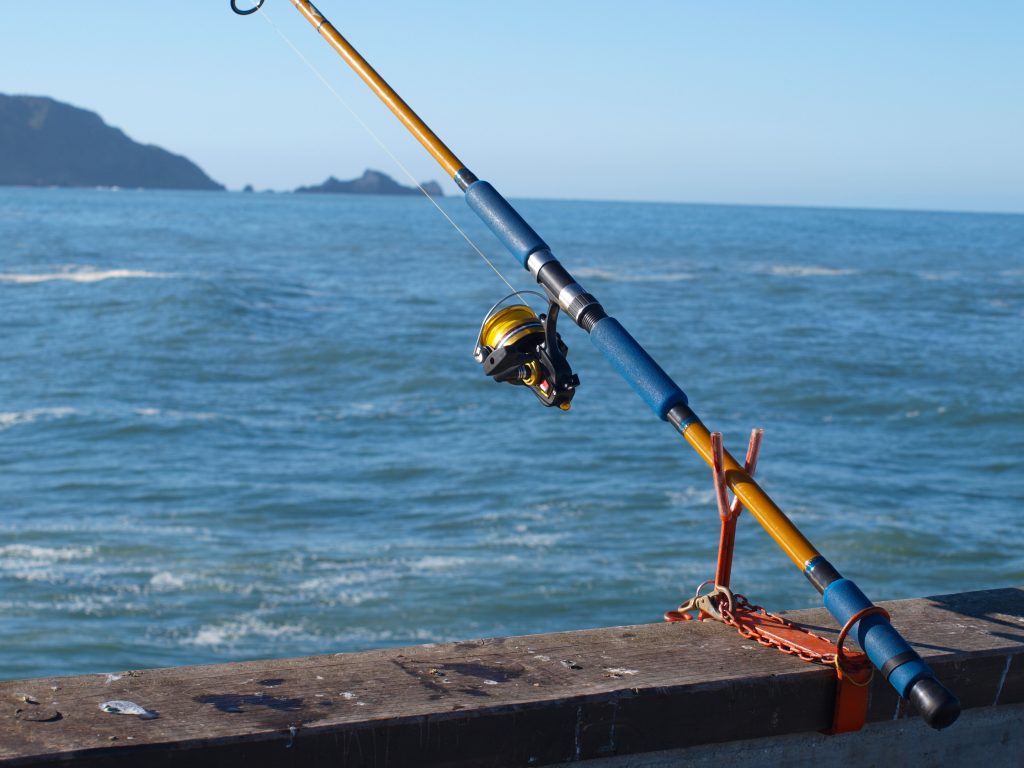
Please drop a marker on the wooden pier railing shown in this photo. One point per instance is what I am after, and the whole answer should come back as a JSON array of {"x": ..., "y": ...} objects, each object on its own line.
[{"x": 651, "y": 695}]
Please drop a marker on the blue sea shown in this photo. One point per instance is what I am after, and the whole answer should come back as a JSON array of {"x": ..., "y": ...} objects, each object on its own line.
[{"x": 241, "y": 426}]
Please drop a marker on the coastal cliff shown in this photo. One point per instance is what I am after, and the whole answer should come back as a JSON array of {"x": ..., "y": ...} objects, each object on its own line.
[{"x": 46, "y": 143}]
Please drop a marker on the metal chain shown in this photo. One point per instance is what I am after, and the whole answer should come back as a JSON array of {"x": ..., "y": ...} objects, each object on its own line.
[{"x": 741, "y": 603}]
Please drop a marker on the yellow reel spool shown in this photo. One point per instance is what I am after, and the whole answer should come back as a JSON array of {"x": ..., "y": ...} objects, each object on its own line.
[
  {"x": 516, "y": 331},
  {"x": 509, "y": 325}
]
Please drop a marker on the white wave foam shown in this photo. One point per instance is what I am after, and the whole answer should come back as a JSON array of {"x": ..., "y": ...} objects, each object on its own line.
[
  {"x": 103, "y": 605},
  {"x": 912, "y": 414},
  {"x": 166, "y": 580},
  {"x": 365, "y": 638},
  {"x": 232, "y": 632},
  {"x": 329, "y": 595},
  {"x": 352, "y": 598},
  {"x": 936, "y": 277},
  {"x": 42, "y": 575},
  {"x": 796, "y": 270},
  {"x": 25, "y": 562},
  {"x": 178, "y": 415},
  {"x": 533, "y": 540},
  {"x": 81, "y": 275},
  {"x": 337, "y": 589},
  {"x": 105, "y": 525},
  {"x": 691, "y": 496},
  {"x": 9, "y": 419},
  {"x": 323, "y": 583},
  {"x": 27, "y": 552},
  {"x": 435, "y": 563},
  {"x": 622, "y": 277},
  {"x": 253, "y": 630}
]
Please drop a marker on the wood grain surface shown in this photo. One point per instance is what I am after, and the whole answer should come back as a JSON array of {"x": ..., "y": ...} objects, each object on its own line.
[{"x": 515, "y": 701}]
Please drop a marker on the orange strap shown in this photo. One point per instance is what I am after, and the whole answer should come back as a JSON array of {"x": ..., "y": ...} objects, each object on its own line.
[{"x": 853, "y": 680}]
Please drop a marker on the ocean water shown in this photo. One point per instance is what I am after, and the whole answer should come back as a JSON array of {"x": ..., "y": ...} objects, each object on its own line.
[{"x": 242, "y": 426}]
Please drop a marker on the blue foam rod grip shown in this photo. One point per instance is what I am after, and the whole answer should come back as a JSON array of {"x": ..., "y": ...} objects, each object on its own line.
[
  {"x": 504, "y": 221},
  {"x": 636, "y": 366},
  {"x": 875, "y": 634}
]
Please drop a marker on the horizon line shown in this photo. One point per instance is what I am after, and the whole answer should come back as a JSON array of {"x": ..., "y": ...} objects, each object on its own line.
[{"x": 693, "y": 203}]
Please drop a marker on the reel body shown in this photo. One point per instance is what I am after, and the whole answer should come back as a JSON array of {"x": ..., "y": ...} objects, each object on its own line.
[{"x": 518, "y": 347}]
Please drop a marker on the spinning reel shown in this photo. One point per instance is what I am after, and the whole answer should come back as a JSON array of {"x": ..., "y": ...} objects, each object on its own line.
[{"x": 517, "y": 346}]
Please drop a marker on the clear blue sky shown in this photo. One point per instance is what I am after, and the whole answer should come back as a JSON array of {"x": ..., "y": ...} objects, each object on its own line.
[{"x": 868, "y": 104}]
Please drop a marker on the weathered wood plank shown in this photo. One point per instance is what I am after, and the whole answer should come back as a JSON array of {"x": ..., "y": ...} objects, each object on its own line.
[{"x": 508, "y": 701}]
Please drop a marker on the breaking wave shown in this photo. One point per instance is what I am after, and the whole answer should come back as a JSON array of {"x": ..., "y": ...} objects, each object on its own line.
[
  {"x": 230, "y": 633},
  {"x": 796, "y": 270},
  {"x": 613, "y": 276},
  {"x": 43, "y": 555},
  {"x": 80, "y": 275},
  {"x": 9, "y": 419}
]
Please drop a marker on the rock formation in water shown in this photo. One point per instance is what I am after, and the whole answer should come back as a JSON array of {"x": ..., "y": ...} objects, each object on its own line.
[
  {"x": 46, "y": 143},
  {"x": 370, "y": 183}
]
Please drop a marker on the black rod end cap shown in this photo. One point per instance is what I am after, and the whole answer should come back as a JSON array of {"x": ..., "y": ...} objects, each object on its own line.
[{"x": 938, "y": 705}]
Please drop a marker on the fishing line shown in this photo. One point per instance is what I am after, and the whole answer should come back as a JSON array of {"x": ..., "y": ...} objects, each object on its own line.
[
  {"x": 525, "y": 350},
  {"x": 382, "y": 145}
]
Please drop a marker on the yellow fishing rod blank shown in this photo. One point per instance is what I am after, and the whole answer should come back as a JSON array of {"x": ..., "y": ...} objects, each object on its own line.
[{"x": 888, "y": 651}]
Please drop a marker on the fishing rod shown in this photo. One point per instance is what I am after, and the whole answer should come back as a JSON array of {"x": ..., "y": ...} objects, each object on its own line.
[{"x": 516, "y": 346}]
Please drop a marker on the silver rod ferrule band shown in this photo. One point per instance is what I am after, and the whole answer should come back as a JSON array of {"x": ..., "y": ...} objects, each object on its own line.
[
  {"x": 536, "y": 260},
  {"x": 568, "y": 295},
  {"x": 464, "y": 178},
  {"x": 573, "y": 299}
]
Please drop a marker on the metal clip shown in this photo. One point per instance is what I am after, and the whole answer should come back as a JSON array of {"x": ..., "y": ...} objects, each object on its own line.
[{"x": 707, "y": 605}]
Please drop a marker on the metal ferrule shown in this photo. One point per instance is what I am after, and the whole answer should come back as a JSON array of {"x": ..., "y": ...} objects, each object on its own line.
[
  {"x": 570, "y": 296},
  {"x": 681, "y": 417},
  {"x": 464, "y": 178},
  {"x": 821, "y": 573},
  {"x": 536, "y": 261},
  {"x": 573, "y": 300}
]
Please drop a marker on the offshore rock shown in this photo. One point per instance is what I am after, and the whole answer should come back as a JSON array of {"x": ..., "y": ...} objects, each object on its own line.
[
  {"x": 370, "y": 183},
  {"x": 46, "y": 143}
]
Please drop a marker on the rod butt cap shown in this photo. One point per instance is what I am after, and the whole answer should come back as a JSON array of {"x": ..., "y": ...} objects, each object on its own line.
[{"x": 937, "y": 704}]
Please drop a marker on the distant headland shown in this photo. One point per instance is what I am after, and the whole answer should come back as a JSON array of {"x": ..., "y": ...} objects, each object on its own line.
[{"x": 47, "y": 143}]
